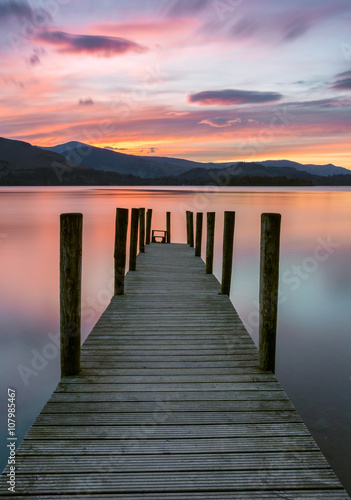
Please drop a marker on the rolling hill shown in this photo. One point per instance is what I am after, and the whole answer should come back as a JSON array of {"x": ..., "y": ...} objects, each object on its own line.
[{"x": 78, "y": 164}]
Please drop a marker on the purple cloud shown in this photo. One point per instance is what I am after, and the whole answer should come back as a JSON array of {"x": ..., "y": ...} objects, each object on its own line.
[
  {"x": 15, "y": 9},
  {"x": 20, "y": 11},
  {"x": 34, "y": 60},
  {"x": 231, "y": 97},
  {"x": 102, "y": 46},
  {"x": 86, "y": 102}
]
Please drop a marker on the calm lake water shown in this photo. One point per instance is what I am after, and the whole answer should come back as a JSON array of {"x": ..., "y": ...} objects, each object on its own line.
[{"x": 314, "y": 317}]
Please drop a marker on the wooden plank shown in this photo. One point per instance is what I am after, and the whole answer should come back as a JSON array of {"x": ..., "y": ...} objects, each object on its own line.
[
  {"x": 161, "y": 416},
  {"x": 296, "y": 494},
  {"x": 181, "y": 462},
  {"x": 183, "y": 405},
  {"x": 134, "y": 444},
  {"x": 170, "y": 396},
  {"x": 209, "y": 380},
  {"x": 177, "y": 481}
]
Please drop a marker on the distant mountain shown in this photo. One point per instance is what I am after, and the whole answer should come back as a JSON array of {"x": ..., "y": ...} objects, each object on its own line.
[
  {"x": 323, "y": 170},
  {"x": 78, "y": 164},
  {"x": 113, "y": 161},
  {"x": 151, "y": 167},
  {"x": 22, "y": 164},
  {"x": 19, "y": 156},
  {"x": 237, "y": 172}
]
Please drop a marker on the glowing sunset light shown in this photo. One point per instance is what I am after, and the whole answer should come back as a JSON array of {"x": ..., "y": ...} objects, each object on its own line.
[{"x": 205, "y": 81}]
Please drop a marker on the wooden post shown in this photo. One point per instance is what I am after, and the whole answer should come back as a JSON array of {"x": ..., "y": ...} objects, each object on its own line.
[
  {"x": 134, "y": 239},
  {"x": 148, "y": 226},
  {"x": 187, "y": 227},
  {"x": 142, "y": 230},
  {"x": 228, "y": 245},
  {"x": 71, "y": 228},
  {"x": 198, "y": 239},
  {"x": 120, "y": 249},
  {"x": 191, "y": 229},
  {"x": 269, "y": 278},
  {"x": 168, "y": 227},
  {"x": 210, "y": 241}
]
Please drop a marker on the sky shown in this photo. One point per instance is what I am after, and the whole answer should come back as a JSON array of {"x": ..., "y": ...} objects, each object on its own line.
[{"x": 206, "y": 80}]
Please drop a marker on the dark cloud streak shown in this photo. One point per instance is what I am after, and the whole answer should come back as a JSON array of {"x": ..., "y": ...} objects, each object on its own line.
[
  {"x": 86, "y": 102},
  {"x": 231, "y": 97},
  {"x": 103, "y": 46},
  {"x": 343, "y": 81}
]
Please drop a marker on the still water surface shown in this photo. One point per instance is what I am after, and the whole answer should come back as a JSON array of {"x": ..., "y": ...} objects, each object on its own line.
[{"x": 314, "y": 317}]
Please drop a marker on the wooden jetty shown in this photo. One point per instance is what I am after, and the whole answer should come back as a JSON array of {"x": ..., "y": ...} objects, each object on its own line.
[{"x": 170, "y": 404}]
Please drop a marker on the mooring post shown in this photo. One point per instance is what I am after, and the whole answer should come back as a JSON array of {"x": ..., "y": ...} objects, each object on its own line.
[
  {"x": 133, "y": 251},
  {"x": 228, "y": 245},
  {"x": 142, "y": 230},
  {"x": 187, "y": 227},
  {"x": 198, "y": 239},
  {"x": 120, "y": 249},
  {"x": 269, "y": 279},
  {"x": 210, "y": 241},
  {"x": 148, "y": 226},
  {"x": 191, "y": 229},
  {"x": 168, "y": 227},
  {"x": 71, "y": 229}
]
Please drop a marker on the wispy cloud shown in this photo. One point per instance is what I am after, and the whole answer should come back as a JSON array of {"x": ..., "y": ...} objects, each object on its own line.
[
  {"x": 185, "y": 8},
  {"x": 101, "y": 46},
  {"x": 222, "y": 121},
  {"x": 343, "y": 81},
  {"x": 231, "y": 97}
]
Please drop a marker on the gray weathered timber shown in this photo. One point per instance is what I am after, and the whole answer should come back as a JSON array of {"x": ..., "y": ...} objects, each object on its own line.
[
  {"x": 141, "y": 230},
  {"x": 148, "y": 226},
  {"x": 198, "y": 238},
  {"x": 71, "y": 227},
  {"x": 133, "y": 251},
  {"x": 228, "y": 245},
  {"x": 211, "y": 216},
  {"x": 170, "y": 404},
  {"x": 187, "y": 227},
  {"x": 269, "y": 278},
  {"x": 120, "y": 249},
  {"x": 191, "y": 229},
  {"x": 168, "y": 218}
]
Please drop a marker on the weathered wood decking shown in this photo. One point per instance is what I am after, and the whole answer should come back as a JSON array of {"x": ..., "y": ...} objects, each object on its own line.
[{"x": 170, "y": 404}]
